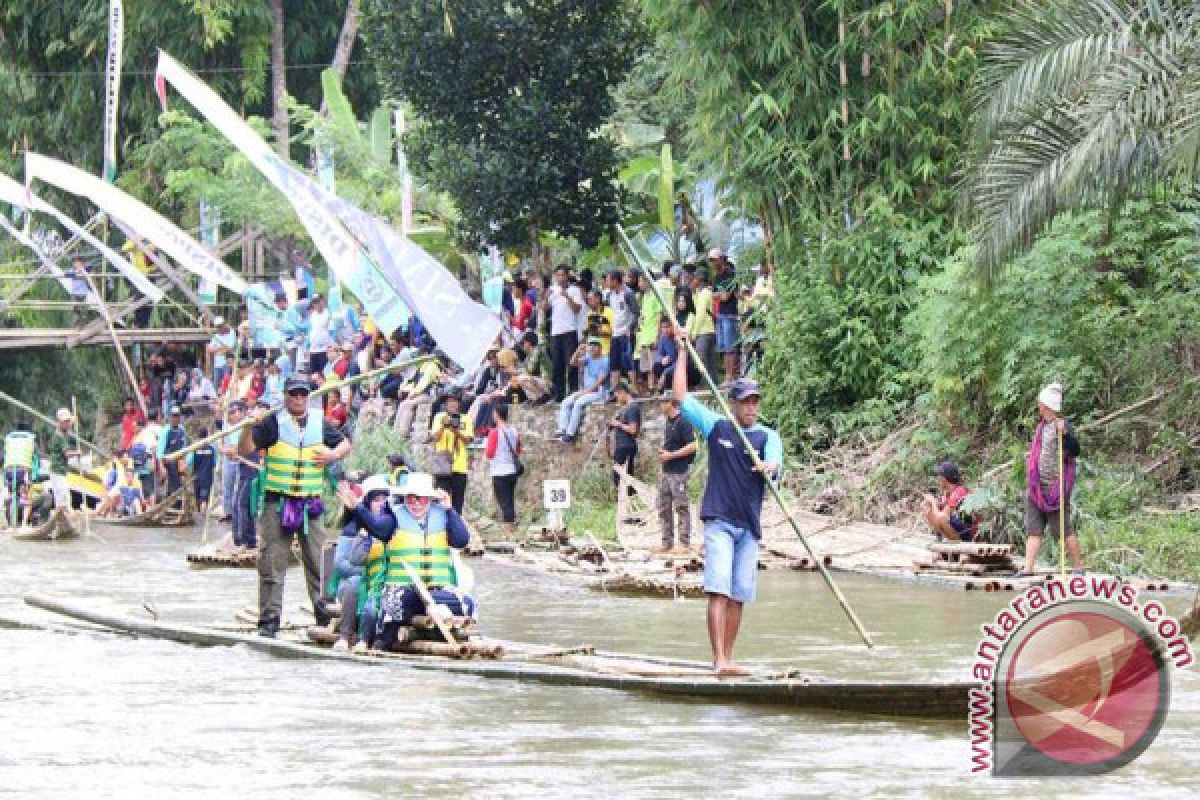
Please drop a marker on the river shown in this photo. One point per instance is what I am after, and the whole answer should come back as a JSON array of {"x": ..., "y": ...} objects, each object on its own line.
[{"x": 96, "y": 716}]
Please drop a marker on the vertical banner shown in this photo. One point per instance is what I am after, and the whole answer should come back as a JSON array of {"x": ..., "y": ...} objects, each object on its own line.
[
  {"x": 210, "y": 237},
  {"x": 112, "y": 86}
]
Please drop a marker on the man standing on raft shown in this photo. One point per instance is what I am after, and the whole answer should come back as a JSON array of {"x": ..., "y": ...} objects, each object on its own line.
[
  {"x": 733, "y": 498},
  {"x": 299, "y": 445}
]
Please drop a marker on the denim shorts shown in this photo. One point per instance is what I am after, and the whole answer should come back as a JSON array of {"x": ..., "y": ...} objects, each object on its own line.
[
  {"x": 730, "y": 560},
  {"x": 727, "y": 333}
]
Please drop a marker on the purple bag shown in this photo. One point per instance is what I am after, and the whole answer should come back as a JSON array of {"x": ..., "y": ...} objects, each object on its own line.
[{"x": 295, "y": 512}]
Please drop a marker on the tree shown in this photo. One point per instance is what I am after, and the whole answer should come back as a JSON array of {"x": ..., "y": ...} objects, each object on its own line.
[
  {"x": 1086, "y": 101},
  {"x": 841, "y": 126},
  {"x": 511, "y": 96}
]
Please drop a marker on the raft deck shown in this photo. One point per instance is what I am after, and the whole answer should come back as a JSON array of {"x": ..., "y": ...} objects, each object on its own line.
[{"x": 584, "y": 668}]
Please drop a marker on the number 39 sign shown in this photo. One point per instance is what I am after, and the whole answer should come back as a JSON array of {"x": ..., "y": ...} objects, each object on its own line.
[{"x": 556, "y": 494}]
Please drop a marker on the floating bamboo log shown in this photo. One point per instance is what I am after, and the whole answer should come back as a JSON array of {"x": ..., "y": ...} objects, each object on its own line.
[{"x": 428, "y": 648}]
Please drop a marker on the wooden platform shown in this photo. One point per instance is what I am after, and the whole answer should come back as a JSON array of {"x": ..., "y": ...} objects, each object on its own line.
[{"x": 26, "y": 338}]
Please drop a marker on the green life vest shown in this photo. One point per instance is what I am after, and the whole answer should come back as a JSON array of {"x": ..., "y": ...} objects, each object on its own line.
[
  {"x": 19, "y": 450},
  {"x": 290, "y": 467},
  {"x": 424, "y": 546}
]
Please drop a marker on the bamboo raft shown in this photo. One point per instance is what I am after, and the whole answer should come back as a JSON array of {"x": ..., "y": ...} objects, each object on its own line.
[
  {"x": 223, "y": 558},
  {"x": 61, "y": 525},
  {"x": 581, "y": 667},
  {"x": 172, "y": 512}
]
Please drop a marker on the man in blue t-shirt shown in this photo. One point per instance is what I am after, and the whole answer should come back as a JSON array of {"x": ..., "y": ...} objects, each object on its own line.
[
  {"x": 733, "y": 498},
  {"x": 593, "y": 381}
]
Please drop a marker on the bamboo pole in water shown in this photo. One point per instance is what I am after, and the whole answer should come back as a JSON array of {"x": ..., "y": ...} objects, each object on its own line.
[{"x": 668, "y": 309}]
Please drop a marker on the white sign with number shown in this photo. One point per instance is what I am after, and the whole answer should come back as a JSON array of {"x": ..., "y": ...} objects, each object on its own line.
[{"x": 556, "y": 494}]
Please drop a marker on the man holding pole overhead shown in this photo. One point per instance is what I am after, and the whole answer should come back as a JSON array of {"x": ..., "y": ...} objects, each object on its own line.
[{"x": 733, "y": 498}]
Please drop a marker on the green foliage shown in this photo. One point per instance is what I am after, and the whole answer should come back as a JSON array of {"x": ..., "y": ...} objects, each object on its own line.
[
  {"x": 861, "y": 204},
  {"x": 511, "y": 96},
  {"x": 372, "y": 446},
  {"x": 1109, "y": 314},
  {"x": 1085, "y": 100}
]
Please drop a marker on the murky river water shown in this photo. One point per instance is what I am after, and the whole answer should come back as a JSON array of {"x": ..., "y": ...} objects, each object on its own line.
[{"x": 90, "y": 716}]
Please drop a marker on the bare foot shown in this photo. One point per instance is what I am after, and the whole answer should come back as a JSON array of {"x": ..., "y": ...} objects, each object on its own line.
[{"x": 731, "y": 671}]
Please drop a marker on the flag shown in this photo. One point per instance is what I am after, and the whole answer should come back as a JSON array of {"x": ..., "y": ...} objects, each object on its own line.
[
  {"x": 112, "y": 86},
  {"x": 210, "y": 235},
  {"x": 15, "y": 194},
  {"x": 140, "y": 218},
  {"x": 62, "y": 277},
  {"x": 387, "y": 272}
]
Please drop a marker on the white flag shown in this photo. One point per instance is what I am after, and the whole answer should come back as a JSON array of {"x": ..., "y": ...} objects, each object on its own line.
[
  {"x": 383, "y": 281},
  {"x": 112, "y": 86},
  {"x": 18, "y": 195},
  {"x": 63, "y": 279},
  {"x": 140, "y": 218}
]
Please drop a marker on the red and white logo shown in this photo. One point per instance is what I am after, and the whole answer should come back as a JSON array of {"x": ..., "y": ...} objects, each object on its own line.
[{"x": 1072, "y": 684}]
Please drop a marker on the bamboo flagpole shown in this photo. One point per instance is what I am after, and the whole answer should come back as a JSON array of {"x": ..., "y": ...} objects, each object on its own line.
[
  {"x": 253, "y": 419},
  {"x": 669, "y": 310},
  {"x": 100, "y": 451}
]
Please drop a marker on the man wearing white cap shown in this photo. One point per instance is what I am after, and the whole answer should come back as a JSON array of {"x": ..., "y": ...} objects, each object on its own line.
[
  {"x": 1048, "y": 499},
  {"x": 220, "y": 348},
  {"x": 60, "y": 451}
]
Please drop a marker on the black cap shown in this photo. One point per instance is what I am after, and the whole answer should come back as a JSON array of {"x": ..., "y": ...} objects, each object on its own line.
[
  {"x": 950, "y": 471},
  {"x": 743, "y": 388},
  {"x": 623, "y": 386},
  {"x": 297, "y": 382}
]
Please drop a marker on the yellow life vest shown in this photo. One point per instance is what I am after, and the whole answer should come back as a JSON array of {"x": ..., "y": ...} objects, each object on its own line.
[
  {"x": 19, "y": 450},
  {"x": 425, "y": 547},
  {"x": 290, "y": 468}
]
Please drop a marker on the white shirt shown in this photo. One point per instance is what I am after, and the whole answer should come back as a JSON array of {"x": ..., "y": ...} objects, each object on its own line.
[
  {"x": 318, "y": 334},
  {"x": 563, "y": 318},
  {"x": 622, "y": 311},
  {"x": 221, "y": 340}
]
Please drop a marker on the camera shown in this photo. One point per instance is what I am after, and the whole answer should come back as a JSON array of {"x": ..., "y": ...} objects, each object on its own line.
[{"x": 454, "y": 421}]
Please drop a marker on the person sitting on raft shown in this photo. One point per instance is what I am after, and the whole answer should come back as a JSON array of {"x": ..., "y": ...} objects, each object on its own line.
[
  {"x": 358, "y": 560},
  {"x": 427, "y": 530},
  {"x": 943, "y": 515}
]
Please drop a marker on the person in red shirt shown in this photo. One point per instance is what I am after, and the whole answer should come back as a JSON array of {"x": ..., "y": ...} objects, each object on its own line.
[
  {"x": 942, "y": 514},
  {"x": 129, "y": 422}
]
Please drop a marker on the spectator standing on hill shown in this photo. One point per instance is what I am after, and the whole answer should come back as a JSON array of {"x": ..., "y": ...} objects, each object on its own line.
[
  {"x": 625, "y": 426},
  {"x": 727, "y": 320},
  {"x": 503, "y": 454},
  {"x": 621, "y": 299},
  {"x": 676, "y": 455},
  {"x": 702, "y": 327},
  {"x": 563, "y": 303},
  {"x": 452, "y": 432}
]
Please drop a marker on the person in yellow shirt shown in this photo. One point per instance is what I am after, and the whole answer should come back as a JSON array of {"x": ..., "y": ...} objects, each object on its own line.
[
  {"x": 701, "y": 326},
  {"x": 452, "y": 432},
  {"x": 600, "y": 320}
]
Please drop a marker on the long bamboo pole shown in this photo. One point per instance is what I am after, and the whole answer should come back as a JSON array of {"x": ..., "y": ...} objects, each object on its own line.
[
  {"x": 1062, "y": 508},
  {"x": 30, "y": 410},
  {"x": 728, "y": 413},
  {"x": 253, "y": 419},
  {"x": 112, "y": 332}
]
